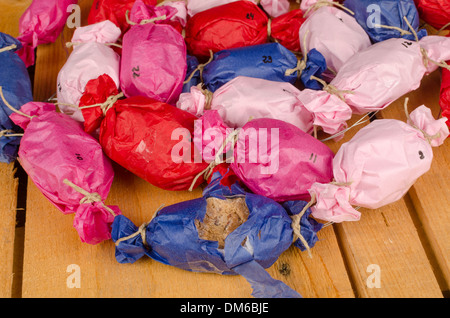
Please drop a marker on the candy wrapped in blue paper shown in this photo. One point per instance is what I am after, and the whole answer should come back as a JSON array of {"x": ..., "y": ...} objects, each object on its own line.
[
  {"x": 16, "y": 89},
  {"x": 384, "y": 19},
  {"x": 172, "y": 238},
  {"x": 270, "y": 61}
]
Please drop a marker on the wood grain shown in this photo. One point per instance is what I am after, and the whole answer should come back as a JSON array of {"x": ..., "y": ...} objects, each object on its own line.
[
  {"x": 385, "y": 239},
  {"x": 431, "y": 192}
]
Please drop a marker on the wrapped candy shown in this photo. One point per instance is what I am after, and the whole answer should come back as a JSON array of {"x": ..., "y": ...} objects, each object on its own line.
[
  {"x": 41, "y": 23},
  {"x": 153, "y": 62},
  {"x": 114, "y": 11},
  {"x": 245, "y": 98},
  {"x": 434, "y": 12},
  {"x": 91, "y": 57},
  {"x": 195, "y": 6},
  {"x": 16, "y": 90},
  {"x": 338, "y": 39},
  {"x": 375, "y": 77},
  {"x": 143, "y": 135},
  {"x": 378, "y": 165},
  {"x": 271, "y": 157},
  {"x": 68, "y": 166},
  {"x": 238, "y": 24},
  {"x": 227, "y": 231},
  {"x": 269, "y": 61},
  {"x": 385, "y": 19},
  {"x": 274, "y": 8}
]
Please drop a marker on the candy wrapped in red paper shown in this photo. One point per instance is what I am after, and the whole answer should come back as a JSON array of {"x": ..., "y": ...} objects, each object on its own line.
[
  {"x": 114, "y": 11},
  {"x": 239, "y": 24},
  {"x": 150, "y": 138}
]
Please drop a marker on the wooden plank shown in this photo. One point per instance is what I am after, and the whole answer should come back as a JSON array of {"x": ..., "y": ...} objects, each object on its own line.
[
  {"x": 431, "y": 193},
  {"x": 385, "y": 241},
  {"x": 10, "y": 271},
  {"x": 52, "y": 246}
]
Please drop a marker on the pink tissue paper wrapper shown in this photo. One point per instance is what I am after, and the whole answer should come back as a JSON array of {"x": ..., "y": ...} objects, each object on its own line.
[
  {"x": 54, "y": 148},
  {"x": 90, "y": 58},
  {"x": 271, "y": 157},
  {"x": 153, "y": 62},
  {"x": 387, "y": 70},
  {"x": 338, "y": 39},
  {"x": 245, "y": 98},
  {"x": 378, "y": 165},
  {"x": 41, "y": 23}
]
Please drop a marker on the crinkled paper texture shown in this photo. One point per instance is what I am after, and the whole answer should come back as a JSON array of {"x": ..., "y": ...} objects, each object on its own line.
[
  {"x": 54, "y": 148},
  {"x": 16, "y": 87},
  {"x": 90, "y": 58}
]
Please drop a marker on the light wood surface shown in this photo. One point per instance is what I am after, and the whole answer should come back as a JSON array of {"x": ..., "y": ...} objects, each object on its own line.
[{"x": 408, "y": 240}]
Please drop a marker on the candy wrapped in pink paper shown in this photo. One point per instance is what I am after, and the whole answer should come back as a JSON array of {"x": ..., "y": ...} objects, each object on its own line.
[
  {"x": 375, "y": 77},
  {"x": 245, "y": 98},
  {"x": 378, "y": 165},
  {"x": 271, "y": 157},
  {"x": 42, "y": 23},
  {"x": 153, "y": 62},
  {"x": 338, "y": 39},
  {"x": 68, "y": 166},
  {"x": 93, "y": 55}
]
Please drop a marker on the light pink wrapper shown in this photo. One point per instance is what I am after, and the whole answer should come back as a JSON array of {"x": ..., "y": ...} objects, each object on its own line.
[
  {"x": 387, "y": 70},
  {"x": 245, "y": 98},
  {"x": 378, "y": 165},
  {"x": 90, "y": 58},
  {"x": 54, "y": 148},
  {"x": 338, "y": 39},
  {"x": 271, "y": 157},
  {"x": 153, "y": 62},
  {"x": 41, "y": 23}
]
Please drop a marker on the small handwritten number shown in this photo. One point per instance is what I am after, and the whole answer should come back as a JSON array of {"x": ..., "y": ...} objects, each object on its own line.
[
  {"x": 250, "y": 16},
  {"x": 406, "y": 44},
  {"x": 79, "y": 156},
  {"x": 267, "y": 59},
  {"x": 313, "y": 156},
  {"x": 135, "y": 71},
  {"x": 422, "y": 156}
]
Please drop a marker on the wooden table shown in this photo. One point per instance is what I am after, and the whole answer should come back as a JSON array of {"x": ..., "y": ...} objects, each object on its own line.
[{"x": 406, "y": 243}]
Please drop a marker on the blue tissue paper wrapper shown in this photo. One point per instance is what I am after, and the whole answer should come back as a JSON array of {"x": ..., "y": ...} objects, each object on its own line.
[
  {"x": 266, "y": 61},
  {"x": 389, "y": 13},
  {"x": 192, "y": 64},
  {"x": 16, "y": 88},
  {"x": 172, "y": 238}
]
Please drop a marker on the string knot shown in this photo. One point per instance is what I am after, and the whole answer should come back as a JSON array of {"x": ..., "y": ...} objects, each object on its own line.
[
  {"x": 218, "y": 159},
  {"x": 296, "y": 227},
  {"x": 88, "y": 197},
  {"x": 105, "y": 106},
  {"x": 200, "y": 69},
  {"x": 323, "y": 3},
  {"x": 427, "y": 136},
  {"x": 145, "y": 21},
  {"x": 142, "y": 231},
  {"x": 331, "y": 89}
]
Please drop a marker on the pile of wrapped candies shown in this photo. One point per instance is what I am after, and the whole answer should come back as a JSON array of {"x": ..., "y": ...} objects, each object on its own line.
[{"x": 180, "y": 92}]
